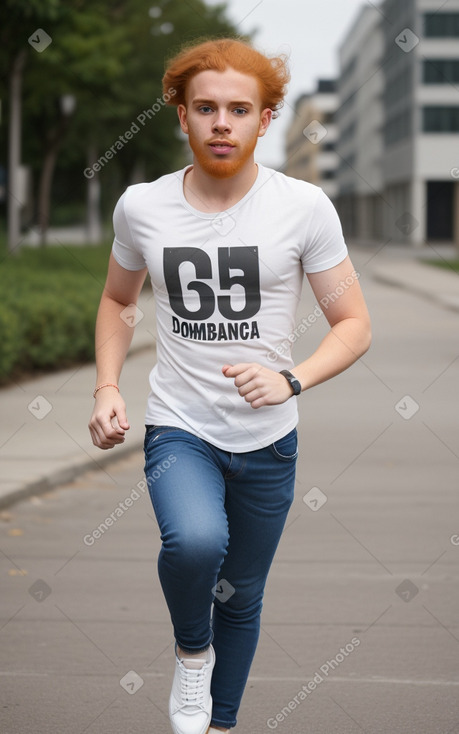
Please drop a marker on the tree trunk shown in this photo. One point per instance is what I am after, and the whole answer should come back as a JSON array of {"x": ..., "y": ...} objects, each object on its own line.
[
  {"x": 15, "y": 129},
  {"x": 93, "y": 218},
  {"x": 46, "y": 178}
]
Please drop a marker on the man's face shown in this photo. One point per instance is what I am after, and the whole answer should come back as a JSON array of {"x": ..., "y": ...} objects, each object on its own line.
[{"x": 223, "y": 119}]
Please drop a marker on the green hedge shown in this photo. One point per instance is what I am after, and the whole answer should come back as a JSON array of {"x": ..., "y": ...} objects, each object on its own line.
[{"x": 48, "y": 307}]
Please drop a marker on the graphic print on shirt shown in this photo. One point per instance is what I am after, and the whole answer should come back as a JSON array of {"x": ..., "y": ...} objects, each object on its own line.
[{"x": 188, "y": 274}]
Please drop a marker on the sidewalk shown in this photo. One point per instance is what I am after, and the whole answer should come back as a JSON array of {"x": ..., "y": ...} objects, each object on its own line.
[
  {"x": 44, "y": 439},
  {"x": 402, "y": 267}
]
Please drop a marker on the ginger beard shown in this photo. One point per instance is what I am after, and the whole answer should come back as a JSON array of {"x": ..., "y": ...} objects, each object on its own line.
[{"x": 221, "y": 166}]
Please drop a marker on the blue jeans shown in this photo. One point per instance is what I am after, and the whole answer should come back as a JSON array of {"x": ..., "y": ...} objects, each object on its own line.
[{"x": 221, "y": 516}]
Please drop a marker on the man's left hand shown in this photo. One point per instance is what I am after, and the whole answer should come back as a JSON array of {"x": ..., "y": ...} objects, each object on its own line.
[{"x": 258, "y": 385}]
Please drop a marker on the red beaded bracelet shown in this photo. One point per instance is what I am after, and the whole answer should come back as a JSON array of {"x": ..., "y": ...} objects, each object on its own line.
[{"x": 106, "y": 384}]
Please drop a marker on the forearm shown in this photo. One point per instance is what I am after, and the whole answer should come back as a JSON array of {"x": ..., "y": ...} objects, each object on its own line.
[
  {"x": 113, "y": 337},
  {"x": 343, "y": 345}
]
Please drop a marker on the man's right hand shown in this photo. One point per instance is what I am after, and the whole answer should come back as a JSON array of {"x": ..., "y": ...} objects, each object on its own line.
[{"x": 108, "y": 423}]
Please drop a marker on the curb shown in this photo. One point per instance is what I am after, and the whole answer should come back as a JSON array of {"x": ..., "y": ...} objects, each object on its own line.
[
  {"x": 78, "y": 466},
  {"x": 449, "y": 302},
  {"x": 65, "y": 476}
]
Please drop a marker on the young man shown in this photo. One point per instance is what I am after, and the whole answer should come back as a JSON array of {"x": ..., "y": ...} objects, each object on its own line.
[{"x": 227, "y": 243}]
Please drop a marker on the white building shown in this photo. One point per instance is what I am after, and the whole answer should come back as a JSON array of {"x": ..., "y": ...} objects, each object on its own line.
[
  {"x": 359, "y": 119},
  {"x": 398, "y": 121},
  {"x": 311, "y": 138}
]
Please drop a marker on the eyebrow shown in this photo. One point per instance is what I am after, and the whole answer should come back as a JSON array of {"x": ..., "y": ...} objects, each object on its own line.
[{"x": 242, "y": 103}]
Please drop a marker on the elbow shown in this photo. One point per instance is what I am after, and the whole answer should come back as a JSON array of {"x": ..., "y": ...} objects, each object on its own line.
[{"x": 366, "y": 338}]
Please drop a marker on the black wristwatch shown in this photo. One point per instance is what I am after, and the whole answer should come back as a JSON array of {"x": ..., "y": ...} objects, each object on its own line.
[{"x": 293, "y": 382}]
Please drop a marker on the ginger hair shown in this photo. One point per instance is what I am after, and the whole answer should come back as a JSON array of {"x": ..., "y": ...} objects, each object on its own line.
[{"x": 220, "y": 54}]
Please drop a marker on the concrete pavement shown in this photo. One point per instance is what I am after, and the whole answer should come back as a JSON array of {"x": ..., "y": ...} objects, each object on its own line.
[
  {"x": 359, "y": 628},
  {"x": 44, "y": 439},
  {"x": 404, "y": 269}
]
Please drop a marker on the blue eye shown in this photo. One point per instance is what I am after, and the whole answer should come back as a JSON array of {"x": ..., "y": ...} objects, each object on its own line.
[
  {"x": 205, "y": 108},
  {"x": 240, "y": 111}
]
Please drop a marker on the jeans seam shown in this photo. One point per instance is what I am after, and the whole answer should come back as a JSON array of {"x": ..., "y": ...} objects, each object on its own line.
[{"x": 228, "y": 474}]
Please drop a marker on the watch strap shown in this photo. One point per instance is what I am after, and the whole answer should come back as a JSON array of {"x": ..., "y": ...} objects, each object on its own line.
[{"x": 293, "y": 381}]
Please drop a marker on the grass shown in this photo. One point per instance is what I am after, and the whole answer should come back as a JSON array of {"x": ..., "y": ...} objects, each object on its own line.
[
  {"x": 89, "y": 259},
  {"x": 445, "y": 264}
]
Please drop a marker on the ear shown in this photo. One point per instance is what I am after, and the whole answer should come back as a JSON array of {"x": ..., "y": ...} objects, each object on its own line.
[
  {"x": 265, "y": 120},
  {"x": 181, "y": 111}
]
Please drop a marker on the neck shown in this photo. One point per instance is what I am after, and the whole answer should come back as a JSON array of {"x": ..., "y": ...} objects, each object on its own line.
[{"x": 210, "y": 194}]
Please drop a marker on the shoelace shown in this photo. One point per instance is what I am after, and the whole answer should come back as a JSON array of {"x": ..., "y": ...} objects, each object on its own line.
[{"x": 192, "y": 686}]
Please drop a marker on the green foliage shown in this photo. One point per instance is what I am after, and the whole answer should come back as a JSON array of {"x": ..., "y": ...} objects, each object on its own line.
[
  {"x": 452, "y": 265},
  {"x": 11, "y": 339},
  {"x": 48, "y": 308},
  {"x": 110, "y": 56}
]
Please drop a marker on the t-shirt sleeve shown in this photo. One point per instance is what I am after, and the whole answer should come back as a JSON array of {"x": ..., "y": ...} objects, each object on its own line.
[
  {"x": 324, "y": 244},
  {"x": 124, "y": 249}
]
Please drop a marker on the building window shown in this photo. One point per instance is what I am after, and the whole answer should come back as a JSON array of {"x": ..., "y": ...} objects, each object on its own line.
[
  {"x": 441, "y": 119},
  {"x": 441, "y": 25},
  {"x": 441, "y": 71}
]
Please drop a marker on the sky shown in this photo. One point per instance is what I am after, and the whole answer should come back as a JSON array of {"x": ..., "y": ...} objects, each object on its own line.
[{"x": 310, "y": 32}]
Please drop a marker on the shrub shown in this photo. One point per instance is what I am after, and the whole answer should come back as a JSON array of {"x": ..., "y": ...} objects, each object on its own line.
[{"x": 48, "y": 309}]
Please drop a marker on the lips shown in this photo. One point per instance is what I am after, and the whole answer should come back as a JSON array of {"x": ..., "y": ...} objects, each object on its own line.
[{"x": 221, "y": 147}]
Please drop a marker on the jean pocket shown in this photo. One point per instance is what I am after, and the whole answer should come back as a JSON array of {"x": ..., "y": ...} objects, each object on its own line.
[
  {"x": 286, "y": 448},
  {"x": 152, "y": 433}
]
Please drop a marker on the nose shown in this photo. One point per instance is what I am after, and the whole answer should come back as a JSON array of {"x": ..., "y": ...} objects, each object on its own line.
[{"x": 221, "y": 122}]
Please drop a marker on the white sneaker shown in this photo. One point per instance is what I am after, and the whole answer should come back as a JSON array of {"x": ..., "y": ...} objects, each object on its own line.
[{"x": 190, "y": 702}]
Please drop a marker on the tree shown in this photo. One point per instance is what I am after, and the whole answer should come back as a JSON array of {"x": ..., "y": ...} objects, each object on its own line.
[
  {"x": 87, "y": 54},
  {"x": 108, "y": 56},
  {"x": 14, "y": 16}
]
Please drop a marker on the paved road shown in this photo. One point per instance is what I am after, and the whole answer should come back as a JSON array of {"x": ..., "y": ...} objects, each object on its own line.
[{"x": 360, "y": 629}]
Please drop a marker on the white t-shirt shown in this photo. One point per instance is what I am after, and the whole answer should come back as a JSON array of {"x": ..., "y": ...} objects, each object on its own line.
[{"x": 226, "y": 288}]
